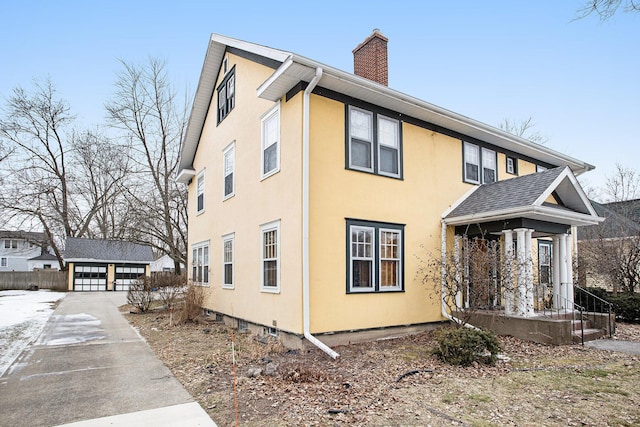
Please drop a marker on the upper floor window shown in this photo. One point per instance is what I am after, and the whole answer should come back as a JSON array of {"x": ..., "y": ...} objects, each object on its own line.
[
  {"x": 271, "y": 256},
  {"x": 375, "y": 259},
  {"x": 227, "y": 94},
  {"x": 10, "y": 244},
  {"x": 474, "y": 159},
  {"x": 200, "y": 263},
  {"x": 229, "y": 160},
  {"x": 200, "y": 193},
  {"x": 374, "y": 143},
  {"x": 512, "y": 165},
  {"x": 271, "y": 142}
]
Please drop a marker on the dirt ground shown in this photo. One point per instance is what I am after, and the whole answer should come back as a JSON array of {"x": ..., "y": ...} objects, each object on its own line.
[{"x": 395, "y": 382}]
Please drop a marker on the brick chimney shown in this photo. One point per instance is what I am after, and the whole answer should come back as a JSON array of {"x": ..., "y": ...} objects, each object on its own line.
[{"x": 370, "y": 58}]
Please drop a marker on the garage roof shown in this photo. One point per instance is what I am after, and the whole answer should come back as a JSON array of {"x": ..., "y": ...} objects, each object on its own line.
[{"x": 102, "y": 250}]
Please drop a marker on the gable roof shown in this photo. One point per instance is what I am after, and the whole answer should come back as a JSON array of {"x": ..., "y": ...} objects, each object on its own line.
[
  {"x": 31, "y": 236},
  {"x": 294, "y": 69},
  {"x": 526, "y": 197},
  {"x": 100, "y": 250},
  {"x": 620, "y": 220}
]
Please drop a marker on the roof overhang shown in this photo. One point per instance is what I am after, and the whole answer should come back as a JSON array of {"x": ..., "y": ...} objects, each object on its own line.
[
  {"x": 108, "y": 261},
  {"x": 540, "y": 213}
]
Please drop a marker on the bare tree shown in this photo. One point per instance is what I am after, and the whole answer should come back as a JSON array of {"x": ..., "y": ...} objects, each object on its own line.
[
  {"x": 623, "y": 184},
  {"x": 47, "y": 185},
  {"x": 145, "y": 109},
  {"x": 523, "y": 129},
  {"x": 607, "y": 8}
]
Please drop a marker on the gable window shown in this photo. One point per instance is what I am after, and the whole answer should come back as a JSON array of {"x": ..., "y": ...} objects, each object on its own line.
[
  {"x": 375, "y": 256},
  {"x": 3, "y": 262},
  {"x": 229, "y": 156},
  {"x": 200, "y": 193},
  {"x": 512, "y": 165},
  {"x": 374, "y": 143},
  {"x": 200, "y": 264},
  {"x": 474, "y": 158},
  {"x": 227, "y": 261},
  {"x": 270, "y": 256},
  {"x": 271, "y": 142},
  {"x": 227, "y": 95}
]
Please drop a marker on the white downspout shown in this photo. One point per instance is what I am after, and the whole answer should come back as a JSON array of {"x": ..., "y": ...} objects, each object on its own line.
[{"x": 305, "y": 219}]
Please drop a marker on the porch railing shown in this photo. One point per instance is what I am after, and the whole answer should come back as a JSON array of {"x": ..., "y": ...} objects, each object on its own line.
[
  {"x": 594, "y": 304},
  {"x": 571, "y": 310}
]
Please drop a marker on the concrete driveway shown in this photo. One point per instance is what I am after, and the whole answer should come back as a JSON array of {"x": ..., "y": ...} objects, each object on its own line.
[{"x": 89, "y": 367}]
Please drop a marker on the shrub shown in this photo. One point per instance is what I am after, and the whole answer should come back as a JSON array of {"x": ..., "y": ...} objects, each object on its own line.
[
  {"x": 626, "y": 307},
  {"x": 464, "y": 346},
  {"x": 140, "y": 294},
  {"x": 192, "y": 304},
  {"x": 170, "y": 287}
]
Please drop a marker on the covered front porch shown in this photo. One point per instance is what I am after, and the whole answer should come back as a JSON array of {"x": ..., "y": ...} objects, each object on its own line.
[{"x": 512, "y": 246}]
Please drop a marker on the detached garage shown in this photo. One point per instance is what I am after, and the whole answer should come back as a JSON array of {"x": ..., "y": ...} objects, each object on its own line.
[{"x": 105, "y": 265}]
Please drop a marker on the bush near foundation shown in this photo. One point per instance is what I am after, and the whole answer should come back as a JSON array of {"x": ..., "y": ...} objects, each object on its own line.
[
  {"x": 464, "y": 346},
  {"x": 140, "y": 294},
  {"x": 626, "y": 306}
]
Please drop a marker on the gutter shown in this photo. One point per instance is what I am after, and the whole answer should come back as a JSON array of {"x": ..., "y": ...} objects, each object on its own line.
[{"x": 305, "y": 219}]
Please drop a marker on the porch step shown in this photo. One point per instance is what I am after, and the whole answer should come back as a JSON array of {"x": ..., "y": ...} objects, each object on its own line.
[
  {"x": 589, "y": 335},
  {"x": 576, "y": 325}
]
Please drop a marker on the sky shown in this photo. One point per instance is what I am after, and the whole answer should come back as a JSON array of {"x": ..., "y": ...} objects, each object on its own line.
[{"x": 489, "y": 60}]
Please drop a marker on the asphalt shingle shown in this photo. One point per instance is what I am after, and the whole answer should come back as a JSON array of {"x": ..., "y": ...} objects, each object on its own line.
[{"x": 97, "y": 249}]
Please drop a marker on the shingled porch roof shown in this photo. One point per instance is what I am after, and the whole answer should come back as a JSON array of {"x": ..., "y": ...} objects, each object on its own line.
[{"x": 523, "y": 202}]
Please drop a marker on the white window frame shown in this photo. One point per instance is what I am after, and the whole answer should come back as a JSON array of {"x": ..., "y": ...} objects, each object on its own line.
[
  {"x": 369, "y": 139},
  {"x": 467, "y": 160},
  {"x": 511, "y": 165},
  {"x": 397, "y": 259},
  {"x": 204, "y": 264},
  {"x": 200, "y": 191},
  {"x": 489, "y": 159},
  {"x": 228, "y": 238},
  {"x": 380, "y": 144},
  {"x": 229, "y": 155},
  {"x": 264, "y": 229},
  {"x": 4, "y": 262},
  {"x": 372, "y": 258},
  {"x": 272, "y": 114}
]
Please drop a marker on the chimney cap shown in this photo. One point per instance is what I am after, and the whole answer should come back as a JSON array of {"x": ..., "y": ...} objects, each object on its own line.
[{"x": 374, "y": 34}]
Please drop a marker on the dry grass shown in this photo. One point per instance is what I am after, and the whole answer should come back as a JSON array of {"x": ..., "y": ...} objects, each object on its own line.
[{"x": 396, "y": 382}]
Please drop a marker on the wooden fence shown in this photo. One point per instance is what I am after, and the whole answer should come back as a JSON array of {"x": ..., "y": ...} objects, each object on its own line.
[{"x": 43, "y": 279}]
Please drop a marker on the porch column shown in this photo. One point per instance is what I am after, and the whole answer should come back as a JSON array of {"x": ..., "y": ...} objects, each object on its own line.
[
  {"x": 529, "y": 274},
  {"x": 569, "y": 286},
  {"x": 459, "y": 279},
  {"x": 521, "y": 291},
  {"x": 563, "y": 271},
  {"x": 507, "y": 282},
  {"x": 555, "y": 265}
]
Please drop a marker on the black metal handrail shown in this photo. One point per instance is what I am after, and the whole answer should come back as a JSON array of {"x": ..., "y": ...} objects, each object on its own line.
[
  {"x": 569, "y": 308},
  {"x": 595, "y": 304}
]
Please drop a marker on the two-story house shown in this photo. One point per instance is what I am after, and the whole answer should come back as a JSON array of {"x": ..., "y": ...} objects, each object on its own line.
[
  {"x": 22, "y": 251},
  {"x": 313, "y": 192}
]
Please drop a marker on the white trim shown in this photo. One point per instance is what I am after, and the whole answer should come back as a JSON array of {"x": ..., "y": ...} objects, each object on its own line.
[
  {"x": 266, "y": 228},
  {"x": 465, "y": 150},
  {"x": 374, "y": 270},
  {"x": 370, "y": 140},
  {"x": 185, "y": 175},
  {"x": 269, "y": 115},
  {"x": 201, "y": 245},
  {"x": 458, "y": 202},
  {"x": 227, "y": 149},
  {"x": 535, "y": 212},
  {"x": 399, "y": 260},
  {"x": 397, "y": 147},
  {"x": 487, "y": 153},
  {"x": 229, "y": 238}
]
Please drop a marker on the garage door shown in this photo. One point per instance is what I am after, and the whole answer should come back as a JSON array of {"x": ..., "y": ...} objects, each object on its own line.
[
  {"x": 90, "y": 278},
  {"x": 126, "y": 275}
]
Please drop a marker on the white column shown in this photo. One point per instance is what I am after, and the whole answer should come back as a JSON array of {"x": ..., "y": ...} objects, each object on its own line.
[
  {"x": 563, "y": 271},
  {"x": 521, "y": 291},
  {"x": 569, "y": 286},
  {"x": 555, "y": 265},
  {"x": 459, "y": 279},
  {"x": 507, "y": 282},
  {"x": 528, "y": 274}
]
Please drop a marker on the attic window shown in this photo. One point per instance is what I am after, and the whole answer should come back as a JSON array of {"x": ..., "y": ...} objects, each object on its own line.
[
  {"x": 512, "y": 165},
  {"x": 227, "y": 95}
]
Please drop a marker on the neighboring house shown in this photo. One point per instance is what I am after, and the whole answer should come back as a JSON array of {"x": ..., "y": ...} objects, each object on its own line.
[
  {"x": 164, "y": 263},
  {"x": 17, "y": 248},
  {"x": 105, "y": 265},
  {"x": 314, "y": 192},
  {"x": 46, "y": 261}
]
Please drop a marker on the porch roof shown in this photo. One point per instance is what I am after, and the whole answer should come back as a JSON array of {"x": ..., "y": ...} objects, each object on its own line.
[{"x": 526, "y": 197}]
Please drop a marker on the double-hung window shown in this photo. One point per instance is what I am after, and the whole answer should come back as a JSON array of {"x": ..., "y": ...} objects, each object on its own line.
[
  {"x": 479, "y": 164},
  {"x": 374, "y": 143},
  {"x": 271, "y": 142},
  {"x": 3, "y": 262},
  {"x": 200, "y": 193},
  {"x": 544, "y": 262},
  {"x": 270, "y": 236},
  {"x": 226, "y": 95},
  {"x": 10, "y": 244},
  {"x": 200, "y": 263},
  {"x": 227, "y": 260},
  {"x": 375, "y": 258},
  {"x": 228, "y": 167}
]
